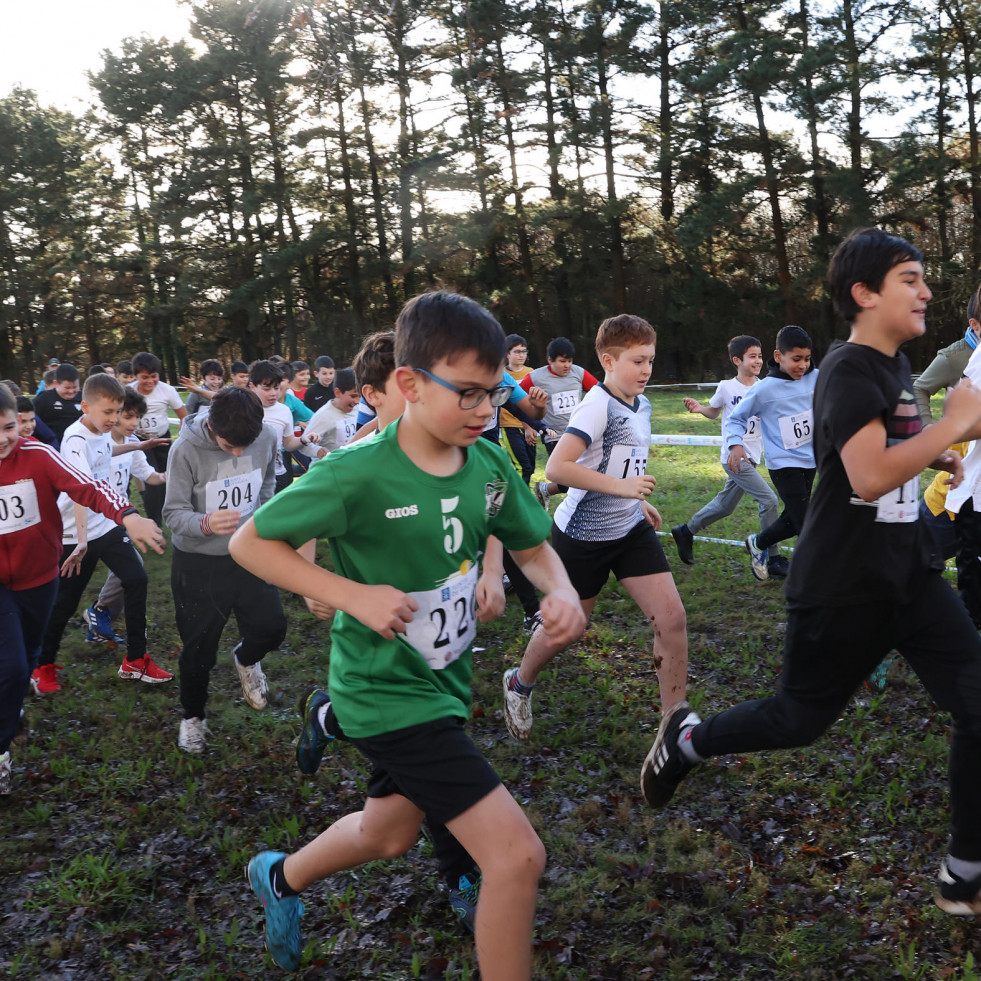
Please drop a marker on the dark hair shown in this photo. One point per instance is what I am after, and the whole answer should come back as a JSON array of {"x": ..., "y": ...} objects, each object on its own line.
[
  {"x": 300, "y": 366},
  {"x": 974, "y": 305},
  {"x": 865, "y": 257},
  {"x": 792, "y": 336},
  {"x": 740, "y": 344},
  {"x": 133, "y": 401},
  {"x": 324, "y": 361},
  {"x": 12, "y": 386},
  {"x": 262, "y": 371},
  {"x": 238, "y": 367},
  {"x": 514, "y": 340},
  {"x": 344, "y": 380},
  {"x": 616, "y": 334},
  {"x": 212, "y": 367},
  {"x": 440, "y": 325},
  {"x": 107, "y": 366},
  {"x": 8, "y": 403},
  {"x": 144, "y": 361},
  {"x": 49, "y": 376},
  {"x": 277, "y": 359},
  {"x": 560, "y": 347},
  {"x": 96, "y": 369},
  {"x": 24, "y": 404},
  {"x": 235, "y": 414},
  {"x": 102, "y": 386},
  {"x": 286, "y": 368},
  {"x": 125, "y": 368},
  {"x": 375, "y": 362},
  {"x": 66, "y": 373}
]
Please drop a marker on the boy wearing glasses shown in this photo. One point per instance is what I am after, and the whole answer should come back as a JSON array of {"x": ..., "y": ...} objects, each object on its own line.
[{"x": 400, "y": 665}]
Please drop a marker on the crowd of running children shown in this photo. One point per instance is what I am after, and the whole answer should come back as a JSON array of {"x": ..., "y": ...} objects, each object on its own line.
[{"x": 428, "y": 401}]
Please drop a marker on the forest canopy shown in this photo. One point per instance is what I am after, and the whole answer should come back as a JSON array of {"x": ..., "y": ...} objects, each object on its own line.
[{"x": 283, "y": 179}]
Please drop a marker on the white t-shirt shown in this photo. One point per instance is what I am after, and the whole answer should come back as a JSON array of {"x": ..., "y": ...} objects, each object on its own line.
[
  {"x": 728, "y": 395},
  {"x": 154, "y": 421},
  {"x": 618, "y": 439},
  {"x": 92, "y": 454},
  {"x": 281, "y": 419},
  {"x": 335, "y": 428},
  {"x": 970, "y": 486},
  {"x": 123, "y": 466}
]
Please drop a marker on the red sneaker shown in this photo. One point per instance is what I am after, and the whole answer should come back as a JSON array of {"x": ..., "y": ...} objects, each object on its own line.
[
  {"x": 44, "y": 680},
  {"x": 143, "y": 669}
]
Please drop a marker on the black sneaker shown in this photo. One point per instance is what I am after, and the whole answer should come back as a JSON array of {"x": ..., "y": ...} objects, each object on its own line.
[
  {"x": 778, "y": 567},
  {"x": 685, "y": 540},
  {"x": 665, "y": 766},
  {"x": 313, "y": 739},
  {"x": 463, "y": 899},
  {"x": 958, "y": 896}
]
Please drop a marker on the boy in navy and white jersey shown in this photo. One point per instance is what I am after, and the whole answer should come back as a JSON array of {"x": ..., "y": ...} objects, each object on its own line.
[{"x": 606, "y": 524}]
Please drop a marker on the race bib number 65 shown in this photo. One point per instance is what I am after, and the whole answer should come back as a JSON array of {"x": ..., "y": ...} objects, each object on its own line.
[
  {"x": 797, "y": 430},
  {"x": 445, "y": 624}
]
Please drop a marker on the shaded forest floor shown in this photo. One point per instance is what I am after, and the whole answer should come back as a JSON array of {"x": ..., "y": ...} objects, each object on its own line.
[{"x": 121, "y": 857}]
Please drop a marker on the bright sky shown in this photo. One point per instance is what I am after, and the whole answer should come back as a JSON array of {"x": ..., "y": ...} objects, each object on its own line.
[{"x": 48, "y": 46}]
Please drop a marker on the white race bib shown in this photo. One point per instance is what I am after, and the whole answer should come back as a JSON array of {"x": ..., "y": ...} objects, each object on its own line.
[
  {"x": 150, "y": 424},
  {"x": 900, "y": 506},
  {"x": 344, "y": 430},
  {"x": 239, "y": 493},
  {"x": 445, "y": 624},
  {"x": 627, "y": 461},
  {"x": 797, "y": 430},
  {"x": 564, "y": 402},
  {"x": 18, "y": 507}
]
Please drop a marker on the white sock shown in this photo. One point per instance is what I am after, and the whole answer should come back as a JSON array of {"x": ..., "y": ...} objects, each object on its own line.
[
  {"x": 963, "y": 869},
  {"x": 684, "y": 740},
  {"x": 322, "y": 716}
]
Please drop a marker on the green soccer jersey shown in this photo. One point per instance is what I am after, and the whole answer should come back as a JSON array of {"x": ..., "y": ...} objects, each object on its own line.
[{"x": 388, "y": 522}]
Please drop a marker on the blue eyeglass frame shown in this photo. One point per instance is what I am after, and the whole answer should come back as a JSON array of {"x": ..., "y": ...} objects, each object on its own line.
[{"x": 497, "y": 395}]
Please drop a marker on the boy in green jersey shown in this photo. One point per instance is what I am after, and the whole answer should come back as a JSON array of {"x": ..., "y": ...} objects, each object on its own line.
[{"x": 406, "y": 550}]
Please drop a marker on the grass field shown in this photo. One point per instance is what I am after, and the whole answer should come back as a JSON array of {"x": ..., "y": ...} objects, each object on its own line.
[{"x": 121, "y": 857}]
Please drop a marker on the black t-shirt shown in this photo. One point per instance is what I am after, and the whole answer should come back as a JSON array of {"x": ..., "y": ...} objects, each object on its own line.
[
  {"x": 317, "y": 395},
  {"x": 57, "y": 412},
  {"x": 850, "y": 551}
]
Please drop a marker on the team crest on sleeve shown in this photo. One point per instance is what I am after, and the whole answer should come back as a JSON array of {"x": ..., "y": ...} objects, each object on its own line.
[{"x": 494, "y": 494}]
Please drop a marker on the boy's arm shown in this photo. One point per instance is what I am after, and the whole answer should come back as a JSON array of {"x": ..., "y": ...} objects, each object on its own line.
[
  {"x": 118, "y": 449},
  {"x": 199, "y": 390},
  {"x": 308, "y": 551},
  {"x": 384, "y": 609},
  {"x": 179, "y": 513},
  {"x": 562, "y": 615},
  {"x": 490, "y": 585},
  {"x": 563, "y": 469},
  {"x": 940, "y": 373},
  {"x": 709, "y": 411},
  {"x": 874, "y": 468},
  {"x": 73, "y": 563}
]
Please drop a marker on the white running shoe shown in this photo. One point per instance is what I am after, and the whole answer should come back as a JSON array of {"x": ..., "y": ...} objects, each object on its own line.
[
  {"x": 757, "y": 559},
  {"x": 193, "y": 736},
  {"x": 5, "y": 772},
  {"x": 254, "y": 686}
]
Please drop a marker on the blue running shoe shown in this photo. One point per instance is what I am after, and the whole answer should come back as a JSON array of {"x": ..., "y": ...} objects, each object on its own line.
[
  {"x": 878, "y": 679},
  {"x": 313, "y": 739},
  {"x": 99, "y": 622},
  {"x": 463, "y": 899},
  {"x": 283, "y": 939}
]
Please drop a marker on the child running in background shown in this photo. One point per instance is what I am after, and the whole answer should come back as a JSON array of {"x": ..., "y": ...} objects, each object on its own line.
[
  {"x": 89, "y": 537},
  {"x": 606, "y": 524},
  {"x": 32, "y": 475},
  {"x": 336, "y": 421},
  {"x": 221, "y": 469},
  {"x": 746, "y": 353},
  {"x": 212, "y": 379},
  {"x": 783, "y": 403},
  {"x": 401, "y": 639},
  {"x": 107, "y": 607},
  {"x": 865, "y": 577},
  {"x": 564, "y": 383}
]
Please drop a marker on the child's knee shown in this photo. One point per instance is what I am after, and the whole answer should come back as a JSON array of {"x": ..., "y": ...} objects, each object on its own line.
[
  {"x": 671, "y": 622},
  {"x": 522, "y": 861}
]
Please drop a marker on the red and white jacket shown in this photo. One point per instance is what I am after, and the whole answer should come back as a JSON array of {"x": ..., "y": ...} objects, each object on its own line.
[{"x": 31, "y": 478}]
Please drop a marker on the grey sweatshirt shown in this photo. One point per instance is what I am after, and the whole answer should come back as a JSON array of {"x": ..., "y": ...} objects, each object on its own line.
[{"x": 203, "y": 478}]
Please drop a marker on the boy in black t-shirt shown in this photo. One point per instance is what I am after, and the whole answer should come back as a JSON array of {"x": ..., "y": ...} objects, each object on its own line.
[
  {"x": 322, "y": 390},
  {"x": 61, "y": 406},
  {"x": 865, "y": 576}
]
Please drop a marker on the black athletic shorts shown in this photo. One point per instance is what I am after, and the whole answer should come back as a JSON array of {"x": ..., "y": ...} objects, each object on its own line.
[
  {"x": 589, "y": 564},
  {"x": 434, "y": 764}
]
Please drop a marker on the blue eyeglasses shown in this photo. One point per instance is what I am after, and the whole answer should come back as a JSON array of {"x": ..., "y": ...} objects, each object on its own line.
[{"x": 470, "y": 398}]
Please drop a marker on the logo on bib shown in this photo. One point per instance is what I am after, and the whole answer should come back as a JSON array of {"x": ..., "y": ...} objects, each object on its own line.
[
  {"x": 494, "y": 493},
  {"x": 405, "y": 512}
]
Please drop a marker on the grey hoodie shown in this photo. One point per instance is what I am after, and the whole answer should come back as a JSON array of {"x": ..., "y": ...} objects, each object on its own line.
[{"x": 203, "y": 478}]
